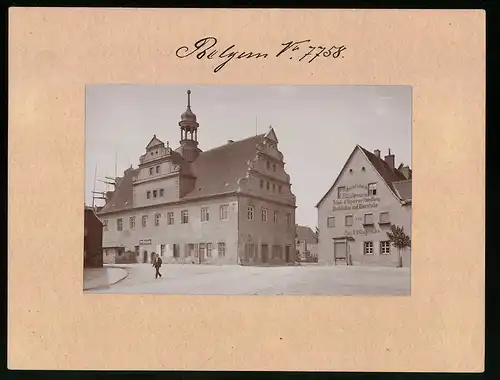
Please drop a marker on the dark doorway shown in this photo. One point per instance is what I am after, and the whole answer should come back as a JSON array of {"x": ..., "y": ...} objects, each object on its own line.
[
  {"x": 287, "y": 253},
  {"x": 145, "y": 257},
  {"x": 265, "y": 253}
]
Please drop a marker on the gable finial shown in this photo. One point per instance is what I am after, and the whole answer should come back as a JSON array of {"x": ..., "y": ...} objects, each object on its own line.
[
  {"x": 168, "y": 145},
  {"x": 189, "y": 98},
  {"x": 389, "y": 151}
]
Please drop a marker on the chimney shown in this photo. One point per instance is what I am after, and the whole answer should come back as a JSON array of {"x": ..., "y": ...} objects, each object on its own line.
[
  {"x": 230, "y": 141},
  {"x": 406, "y": 172},
  {"x": 389, "y": 159},
  {"x": 377, "y": 153}
]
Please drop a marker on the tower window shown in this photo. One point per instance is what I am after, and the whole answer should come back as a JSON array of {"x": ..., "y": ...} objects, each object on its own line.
[
  {"x": 158, "y": 169},
  {"x": 274, "y": 187},
  {"x": 274, "y": 167},
  {"x": 154, "y": 193},
  {"x": 151, "y": 170},
  {"x": 268, "y": 165},
  {"x": 261, "y": 183},
  {"x": 267, "y": 185},
  {"x": 148, "y": 194},
  {"x": 161, "y": 192}
]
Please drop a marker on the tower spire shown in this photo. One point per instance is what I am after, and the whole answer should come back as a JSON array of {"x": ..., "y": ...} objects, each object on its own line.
[{"x": 189, "y": 98}]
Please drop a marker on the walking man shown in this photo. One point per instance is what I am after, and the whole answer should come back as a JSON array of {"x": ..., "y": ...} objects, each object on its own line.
[{"x": 157, "y": 264}]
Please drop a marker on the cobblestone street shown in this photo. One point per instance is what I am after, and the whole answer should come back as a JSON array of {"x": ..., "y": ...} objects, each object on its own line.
[{"x": 232, "y": 279}]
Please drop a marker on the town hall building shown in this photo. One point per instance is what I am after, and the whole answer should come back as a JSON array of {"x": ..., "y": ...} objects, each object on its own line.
[
  {"x": 369, "y": 195},
  {"x": 232, "y": 204}
]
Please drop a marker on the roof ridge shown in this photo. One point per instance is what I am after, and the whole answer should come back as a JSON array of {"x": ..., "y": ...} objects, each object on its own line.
[{"x": 234, "y": 142}]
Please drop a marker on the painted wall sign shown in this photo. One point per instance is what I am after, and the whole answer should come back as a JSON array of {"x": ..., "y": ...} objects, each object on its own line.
[
  {"x": 360, "y": 232},
  {"x": 356, "y": 204},
  {"x": 145, "y": 242}
]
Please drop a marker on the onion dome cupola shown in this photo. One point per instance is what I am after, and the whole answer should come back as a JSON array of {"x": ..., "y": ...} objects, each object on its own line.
[{"x": 189, "y": 133}]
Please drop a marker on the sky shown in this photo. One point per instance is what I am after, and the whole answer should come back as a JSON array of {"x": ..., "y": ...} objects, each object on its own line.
[{"x": 317, "y": 127}]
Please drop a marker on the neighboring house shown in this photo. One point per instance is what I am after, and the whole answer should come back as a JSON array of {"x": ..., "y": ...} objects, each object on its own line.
[
  {"x": 367, "y": 197},
  {"x": 232, "y": 204},
  {"x": 306, "y": 244},
  {"x": 92, "y": 240}
]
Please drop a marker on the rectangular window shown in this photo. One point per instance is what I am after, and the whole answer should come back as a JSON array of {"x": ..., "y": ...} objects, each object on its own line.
[
  {"x": 205, "y": 215},
  {"x": 144, "y": 221},
  {"x": 162, "y": 250},
  {"x": 132, "y": 222},
  {"x": 201, "y": 249},
  {"x": 279, "y": 189},
  {"x": 157, "y": 219},
  {"x": 261, "y": 183},
  {"x": 105, "y": 225},
  {"x": 384, "y": 218},
  {"x": 274, "y": 187},
  {"x": 340, "y": 191},
  {"x": 209, "y": 249},
  {"x": 155, "y": 193},
  {"x": 288, "y": 219},
  {"x": 276, "y": 217},
  {"x": 150, "y": 171},
  {"x": 184, "y": 216},
  {"x": 161, "y": 192},
  {"x": 119, "y": 224},
  {"x": 148, "y": 194},
  {"x": 348, "y": 220},
  {"x": 330, "y": 221},
  {"x": 264, "y": 215},
  {"x": 267, "y": 185},
  {"x": 368, "y": 248},
  {"x": 250, "y": 212},
  {"x": 372, "y": 189},
  {"x": 251, "y": 251},
  {"x": 223, "y": 212},
  {"x": 170, "y": 218},
  {"x": 368, "y": 219},
  {"x": 157, "y": 169},
  {"x": 385, "y": 247},
  {"x": 222, "y": 249},
  {"x": 274, "y": 167},
  {"x": 268, "y": 165}
]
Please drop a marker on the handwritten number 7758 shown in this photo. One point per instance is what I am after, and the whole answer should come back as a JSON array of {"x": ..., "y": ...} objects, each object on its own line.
[{"x": 292, "y": 46}]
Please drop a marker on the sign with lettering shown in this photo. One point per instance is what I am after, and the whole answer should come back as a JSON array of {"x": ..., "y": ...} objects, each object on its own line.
[
  {"x": 361, "y": 232},
  {"x": 355, "y": 201},
  {"x": 145, "y": 242}
]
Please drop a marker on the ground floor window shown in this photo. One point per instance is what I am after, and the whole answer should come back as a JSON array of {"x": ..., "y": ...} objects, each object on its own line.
[
  {"x": 385, "y": 247},
  {"x": 222, "y": 249},
  {"x": 209, "y": 249},
  {"x": 250, "y": 250},
  {"x": 176, "y": 250},
  {"x": 162, "y": 250},
  {"x": 136, "y": 250},
  {"x": 368, "y": 248},
  {"x": 201, "y": 249}
]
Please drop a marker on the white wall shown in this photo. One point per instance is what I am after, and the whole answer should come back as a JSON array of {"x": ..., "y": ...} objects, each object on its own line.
[
  {"x": 383, "y": 201},
  {"x": 213, "y": 231}
]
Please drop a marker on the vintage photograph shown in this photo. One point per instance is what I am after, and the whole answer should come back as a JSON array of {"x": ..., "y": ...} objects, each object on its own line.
[{"x": 248, "y": 190}]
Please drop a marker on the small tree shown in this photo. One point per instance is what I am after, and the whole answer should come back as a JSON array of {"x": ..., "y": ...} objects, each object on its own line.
[{"x": 400, "y": 240}]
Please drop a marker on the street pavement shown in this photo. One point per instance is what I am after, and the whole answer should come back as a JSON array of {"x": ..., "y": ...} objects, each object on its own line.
[{"x": 309, "y": 279}]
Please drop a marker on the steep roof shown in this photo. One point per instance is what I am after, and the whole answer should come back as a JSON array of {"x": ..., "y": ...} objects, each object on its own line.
[
  {"x": 388, "y": 174},
  {"x": 305, "y": 233},
  {"x": 403, "y": 189},
  {"x": 216, "y": 170},
  {"x": 121, "y": 199}
]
